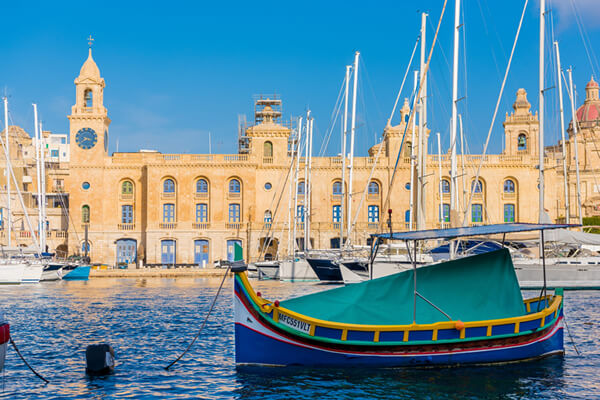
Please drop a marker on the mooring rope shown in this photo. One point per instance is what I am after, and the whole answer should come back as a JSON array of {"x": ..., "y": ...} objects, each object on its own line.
[
  {"x": 26, "y": 363},
  {"x": 205, "y": 319},
  {"x": 571, "y": 337}
]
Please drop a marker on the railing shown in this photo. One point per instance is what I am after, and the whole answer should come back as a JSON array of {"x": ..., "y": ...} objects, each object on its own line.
[
  {"x": 201, "y": 225},
  {"x": 126, "y": 196},
  {"x": 236, "y": 157},
  {"x": 201, "y": 195},
  {"x": 168, "y": 195},
  {"x": 24, "y": 234},
  {"x": 267, "y": 160},
  {"x": 126, "y": 227},
  {"x": 267, "y": 225},
  {"x": 336, "y": 225},
  {"x": 171, "y": 157},
  {"x": 233, "y": 225},
  {"x": 168, "y": 225}
]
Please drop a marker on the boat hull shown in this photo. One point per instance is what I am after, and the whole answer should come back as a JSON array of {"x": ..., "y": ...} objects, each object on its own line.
[
  {"x": 80, "y": 273},
  {"x": 325, "y": 269},
  {"x": 296, "y": 271},
  {"x": 11, "y": 274},
  {"x": 52, "y": 273},
  {"x": 257, "y": 343},
  {"x": 268, "y": 270},
  {"x": 32, "y": 273},
  {"x": 4, "y": 340}
]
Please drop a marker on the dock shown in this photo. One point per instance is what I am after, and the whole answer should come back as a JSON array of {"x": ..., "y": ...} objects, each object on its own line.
[{"x": 157, "y": 273}]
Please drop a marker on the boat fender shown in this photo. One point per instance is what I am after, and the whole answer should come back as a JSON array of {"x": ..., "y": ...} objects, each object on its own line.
[
  {"x": 459, "y": 325},
  {"x": 100, "y": 359},
  {"x": 259, "y": 294},
  {"x": 276, "y": 303}
]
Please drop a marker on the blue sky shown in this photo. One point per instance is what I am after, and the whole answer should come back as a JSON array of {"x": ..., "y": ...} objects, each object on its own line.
[{"x": 178, "y": 71}]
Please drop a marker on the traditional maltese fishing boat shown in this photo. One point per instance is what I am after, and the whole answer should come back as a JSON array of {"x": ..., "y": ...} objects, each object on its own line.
[
  {"x": 4, "y": 339},
  {"x": 464, "y": 311}
]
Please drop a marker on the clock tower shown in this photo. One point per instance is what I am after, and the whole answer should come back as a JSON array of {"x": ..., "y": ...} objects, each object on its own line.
[{"x": 89, "y": 119}]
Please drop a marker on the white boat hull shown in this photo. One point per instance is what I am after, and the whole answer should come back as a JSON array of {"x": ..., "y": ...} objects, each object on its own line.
[
  {"x": 32, "y": 273},
  {"x": 299, "y": 270},
  {"x": 564, "y": 273},
  {"x": 55, "y": 275},
  {"x": 11, "y": 273},
  {"x": 267, "y": 270}
]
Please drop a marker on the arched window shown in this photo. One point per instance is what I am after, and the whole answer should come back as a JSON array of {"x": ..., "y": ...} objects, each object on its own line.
[
  {"x": 88, "y": 98},
  {"x": 445, "y": 186},
  {"x": 407, "y": 216},
  {"x": 373, "y": 188},
  {"x": 268, "y": 217},
  {"x": 477, "y": 188},
  {"x": 522, "y": 142},
  {"x": 201, "y": 186},
  {"x": 127, "y": 187},
  {"x": 268, "y": 149},
  {"x": 337, "y": 188},
  {"x": 169, "y": 186},
  {"x": 234, "y": 186},
  {"x": 85, "y": 214},
  {"x": 509, "y": 186},
  {"x": 301, "y": 187}
]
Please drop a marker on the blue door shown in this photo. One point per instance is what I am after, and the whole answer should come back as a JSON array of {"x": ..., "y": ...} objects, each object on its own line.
[
  {"x": 167, "y": 249},
  {"x": 126, "y": 251},
  {"x": 231, "y": 249},
  {"x": 201, "y": 252}
]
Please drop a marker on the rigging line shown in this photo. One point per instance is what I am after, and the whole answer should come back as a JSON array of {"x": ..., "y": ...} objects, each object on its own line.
[
  {"x": 584, "y": 38},
  {"x": 487, "y": 140},
  {"x": 423, "y": 77},
  {"x": 571, "y": 337},
  {"x": 365, "y": 71},
  {"x": 205, "y": 319},
  {"x": 487, "y": 33},
  {"x": 25, "y": 361},
  {"x": 389, "y": 121},
  {"x": 332, "y": 119}
]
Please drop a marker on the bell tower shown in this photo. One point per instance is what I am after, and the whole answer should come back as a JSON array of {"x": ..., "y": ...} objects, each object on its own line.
[{"x": 89, "y": 118}]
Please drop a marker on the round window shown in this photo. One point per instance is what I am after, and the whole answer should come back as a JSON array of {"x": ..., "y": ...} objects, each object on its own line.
[
  {"x": 268, "y": 186},
  {"x": 407, "y": 186},
  {"x": 85, "y": 185}
]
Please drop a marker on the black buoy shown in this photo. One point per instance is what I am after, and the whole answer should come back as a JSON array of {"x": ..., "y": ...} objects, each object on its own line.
[{"x": 100, "y": 359}]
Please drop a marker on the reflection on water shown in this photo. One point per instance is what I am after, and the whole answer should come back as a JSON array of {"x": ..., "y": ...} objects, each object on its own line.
[{"x": 150, "y": 321}]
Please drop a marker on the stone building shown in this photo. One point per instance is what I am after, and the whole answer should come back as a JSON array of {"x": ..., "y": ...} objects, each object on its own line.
[{"x": 156, "y": 209}]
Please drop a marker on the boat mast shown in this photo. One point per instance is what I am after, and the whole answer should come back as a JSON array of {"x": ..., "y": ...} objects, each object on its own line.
[
  {"x": 308, "y": 189},
  {"x": 412, "y": 157},
  {"x": 290, "y": 210},
  {"x": 575, "y": 122},
  {"x": 38, "y": 149},
  {"x": 344, "y": 133},
  {"x": 352, "y": 132},
  {"x": 43, "y": 173},
  {"x": 541, "y": 95},
  {"x": 295, "y": 211},
  {"x": 453, "y": 165},
  {"x": 562, "y": 132},
  {"x": 441, "y": 213},
  {"x": 422, "y": 153},
  {"x": 7, "y": 153},
  {"x": 462, "y": 161}
]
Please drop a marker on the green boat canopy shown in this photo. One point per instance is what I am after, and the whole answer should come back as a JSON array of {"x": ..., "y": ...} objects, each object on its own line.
[{"x": 480, "y": 287}]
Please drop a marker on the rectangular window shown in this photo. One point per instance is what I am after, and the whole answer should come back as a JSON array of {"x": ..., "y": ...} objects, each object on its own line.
[
  {"x": 446, "y": 212},
  {"x": 63, "y": 140},
  {"x": 234, "y": 213},
  {"x": 202, "y": 212},
  {"x": 373, "y": 213},
  {"x": 53, "y": 153},
  {"x": 127, "y": 214},
  {"x": 336, "y": 217},
  {"x": 476, "y": 213},
  {"x": 509, "y": 213},
  {"x": 168, "y": 212},
  {"x": 300, "y": 214}
]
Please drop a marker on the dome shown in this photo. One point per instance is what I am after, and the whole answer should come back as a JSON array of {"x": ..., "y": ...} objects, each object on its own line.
[
  {"x": 89, "y": 69},
  {"x": 589, "y": 113}
]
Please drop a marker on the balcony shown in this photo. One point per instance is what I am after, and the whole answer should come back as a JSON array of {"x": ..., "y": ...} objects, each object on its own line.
[
  {"x": 201, "y": 195},
  {"x": 168, "y": 225},
  {"x": 267, "y": 160},
  {"x": 336, "y": 225},
  {"x": 201, "y": 225},
  {"x": 126, "y": 227},
  {"x": 126, "y": 196},
  {"x": 167, "y": 195},
  {"x": 234, "y": 195},
  {"x": 233, "y": 225}
]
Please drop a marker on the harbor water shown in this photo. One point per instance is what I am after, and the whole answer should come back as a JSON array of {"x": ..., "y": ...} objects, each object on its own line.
[{"x": 149, "y": 322}]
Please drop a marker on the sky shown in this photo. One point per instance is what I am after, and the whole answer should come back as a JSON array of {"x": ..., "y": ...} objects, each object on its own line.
[{"x": 178, "y": 75}]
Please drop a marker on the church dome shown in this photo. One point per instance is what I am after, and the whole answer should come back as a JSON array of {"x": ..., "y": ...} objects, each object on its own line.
[
  {"x": 588, "y": 114},
  {"x": 89, "y": 69}
]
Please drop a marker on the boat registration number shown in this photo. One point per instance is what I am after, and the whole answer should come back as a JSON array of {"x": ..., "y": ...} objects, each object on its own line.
[{"x": 294, "y": 323}]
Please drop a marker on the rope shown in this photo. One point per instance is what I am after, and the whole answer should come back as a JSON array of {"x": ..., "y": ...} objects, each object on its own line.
[
  {"x": 403, "y": 80},
  {"x": 26, "y": 363},
  {"x": 571, "y": 337},
  {"x": 203, "y": 323},
  {"x": 487, "y": 140}
]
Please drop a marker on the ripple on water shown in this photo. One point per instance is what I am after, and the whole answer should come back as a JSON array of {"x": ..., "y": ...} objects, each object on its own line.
[{"x": 150, "y": 321}]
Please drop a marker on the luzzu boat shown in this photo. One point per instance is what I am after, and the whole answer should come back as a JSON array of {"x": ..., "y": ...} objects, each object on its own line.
[
  {"x": 464, "y": 311},
  {"x": 4, "y": 339}
]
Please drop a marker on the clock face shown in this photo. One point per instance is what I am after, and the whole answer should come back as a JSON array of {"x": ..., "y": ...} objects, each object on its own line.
[{"x": 86, "y": 138}]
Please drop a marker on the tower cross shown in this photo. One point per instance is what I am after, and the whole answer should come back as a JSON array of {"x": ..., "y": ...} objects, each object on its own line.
[{"x": 90, "y": 41}]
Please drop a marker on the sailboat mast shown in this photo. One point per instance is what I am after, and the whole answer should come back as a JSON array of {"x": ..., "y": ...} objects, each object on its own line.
[
  {"x": 310, "y": 122},
  {"x": 575, "y": 129},
  {"x": 297, "y": 171},
  {"x": 412, "y": 157},
  {"x": 562, "y": 132},
  {"x": 541, "y": 95},
  {"x": 441, "y": 213},
  {"x": 43, "y": 175},
  {"x": 352, "y": 132},
  {"x": 305, "y": 205},
  {"x": 453, "y": 165},
  {"x": 344, "y": 134},
  {"x": 462, "y": 162},
  {"x": 7, "y": 151},
  {"x": 38, "y": 149},
  {"x": 422, "y": 153}
]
